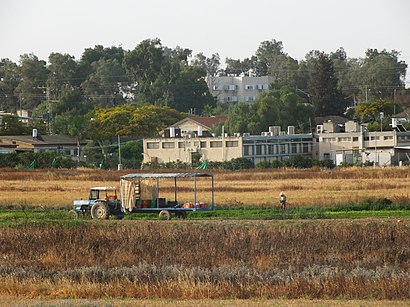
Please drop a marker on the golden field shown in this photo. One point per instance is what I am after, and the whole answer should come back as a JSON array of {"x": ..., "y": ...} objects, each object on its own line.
[
  {"x": 339, "y": 262},
  {"x": 238, "y": 188},
  {"x": 197, "y": 260}
]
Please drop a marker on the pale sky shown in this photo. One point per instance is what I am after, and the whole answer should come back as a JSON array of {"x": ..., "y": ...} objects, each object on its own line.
[{"x": 233, "y": 29}]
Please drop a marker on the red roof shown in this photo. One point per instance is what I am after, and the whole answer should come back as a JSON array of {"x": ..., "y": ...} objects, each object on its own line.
[{"x": 210, "y": 121}]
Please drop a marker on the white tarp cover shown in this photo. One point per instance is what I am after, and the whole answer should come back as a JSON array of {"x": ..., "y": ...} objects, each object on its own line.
[{"x": 127, "y": 194}]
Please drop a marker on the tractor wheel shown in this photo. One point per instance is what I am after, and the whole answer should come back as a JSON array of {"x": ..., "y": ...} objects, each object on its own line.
[
  {"x": 165, "y": 215},
  {"x": 181, "y": 215},
  {"x": 73, "y": 214},
  {"x": 100, "y": 211}
]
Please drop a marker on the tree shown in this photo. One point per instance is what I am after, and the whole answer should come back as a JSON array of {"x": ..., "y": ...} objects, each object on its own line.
[
  {"x": 9, "y": 80},
  {"x": 103, "y": 84},
  {"x": 210, "y": 65},
  {"x": 273, "y": 61},
  {"x": 10, "y": 125},
  {"x": 62, "y": 73},
  {"x": 144, "y": 64},
  {"x": 326, "y": 97},
  {"x": 276, "y": 108},
  {"x": 91, "y": 55},
  {"x": 190, "y": 91},
  {"x": 32, "y": 86},
  {"x": 370, "y": 111},
  {"x": 128, "y": 120},
  {"x": 382, "y": 72}
]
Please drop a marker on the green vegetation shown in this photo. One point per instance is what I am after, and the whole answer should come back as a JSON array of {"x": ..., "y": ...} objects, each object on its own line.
[{"x": 370, "y": 208}]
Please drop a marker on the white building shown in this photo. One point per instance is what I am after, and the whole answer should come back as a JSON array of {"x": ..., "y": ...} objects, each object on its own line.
[{"x": 238, "y": 89}]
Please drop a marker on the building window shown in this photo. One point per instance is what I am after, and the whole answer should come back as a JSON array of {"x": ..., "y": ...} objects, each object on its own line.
[
  {"x": 247, "y": 150},
  {"x": 355, "y": 139},
  {"x": 282, "y": 149},
  {"x": 181, "y": 144},
  {"x": 270, "y": 149},
  {"x": 203, "y": 144},
  {"x": 168, "y": 145},
  {"x": 388, "y": 137},
  {"x": 250, "y": 98},
  {"x": 214, "y": 144},
  {"x": 249, "y": 87},
  {"x": 305, "y": 147},
  {"x": 152, "y": 145},
  {"x": 294, "y": 148},
  {"x": 258, "y": 149},
  {"x": 231, "y": 143}
]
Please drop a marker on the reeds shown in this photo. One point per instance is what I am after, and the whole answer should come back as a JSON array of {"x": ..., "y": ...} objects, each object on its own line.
[{"x": 198, "y": 260}]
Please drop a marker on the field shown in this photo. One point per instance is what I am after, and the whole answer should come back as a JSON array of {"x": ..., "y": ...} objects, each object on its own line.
[
  {"x": 204, "y": 259},
  {"x": 318, "y": 187}
]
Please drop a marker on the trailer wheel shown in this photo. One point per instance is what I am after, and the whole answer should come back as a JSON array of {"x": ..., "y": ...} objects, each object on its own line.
[
  {"x": 100, "y": 211},
  {"x": 165, "y": 215},
  {"x": 181, "y": 215}
]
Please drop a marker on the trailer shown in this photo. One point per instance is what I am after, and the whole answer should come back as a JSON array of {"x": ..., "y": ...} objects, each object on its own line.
[{"x": 151, "y": 193}]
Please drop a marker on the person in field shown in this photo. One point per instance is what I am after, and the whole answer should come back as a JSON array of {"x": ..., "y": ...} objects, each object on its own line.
[{"x": 282, "y": 200}]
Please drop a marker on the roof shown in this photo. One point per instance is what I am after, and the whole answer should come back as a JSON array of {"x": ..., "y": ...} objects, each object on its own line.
[
  {"x": 104, "y": 188},
  {"x": 43, "y": 140},
  {"x": 336, "y": 119},
  {"x": 207, "y": 122},
  {"x": 166, "y": 175},
  {"x": 210, "y": 121}
]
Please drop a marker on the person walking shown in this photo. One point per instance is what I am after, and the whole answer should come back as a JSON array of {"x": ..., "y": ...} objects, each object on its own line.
[{"x": 282, "y": 200}]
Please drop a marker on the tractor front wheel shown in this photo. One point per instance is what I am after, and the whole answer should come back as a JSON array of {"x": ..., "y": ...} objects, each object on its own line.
[{"x": 100, "y": 211}]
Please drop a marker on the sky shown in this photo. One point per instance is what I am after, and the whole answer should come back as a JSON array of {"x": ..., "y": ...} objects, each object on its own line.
[{"x": 233, "y": 29}]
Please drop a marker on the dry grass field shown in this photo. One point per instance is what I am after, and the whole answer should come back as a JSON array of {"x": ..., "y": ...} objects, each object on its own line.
[
  {"x": 195, "y": 260},
  {"x": 209, "y": 262},
  {"x": 240, "y": 188}
]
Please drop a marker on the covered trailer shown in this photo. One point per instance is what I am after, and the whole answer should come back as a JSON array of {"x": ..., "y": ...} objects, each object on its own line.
[{"x": 145, "y": 193}]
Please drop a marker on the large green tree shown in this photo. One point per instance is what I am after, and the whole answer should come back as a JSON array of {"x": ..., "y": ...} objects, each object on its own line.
[
  {"x": 276, "y": 108},
  {"x": 9, "y": 80},
  {"x": 323, "y": 87},
  {"x": 382, "y": 72},
  {"x": 103, "y": 85},
  {"x": 32, "y": 86}
]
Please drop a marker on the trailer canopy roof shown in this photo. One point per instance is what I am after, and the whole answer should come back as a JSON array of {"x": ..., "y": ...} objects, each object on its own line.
[{"x": 166, "y": 175}]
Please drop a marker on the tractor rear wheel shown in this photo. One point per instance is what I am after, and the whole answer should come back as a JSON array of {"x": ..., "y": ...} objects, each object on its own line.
[
  {"x": 100, "y": 211},
  {"x": 165, "y": 215}
]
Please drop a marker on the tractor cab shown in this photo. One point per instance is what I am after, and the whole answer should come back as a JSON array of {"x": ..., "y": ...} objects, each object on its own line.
[{"x": 103, "y": 194}]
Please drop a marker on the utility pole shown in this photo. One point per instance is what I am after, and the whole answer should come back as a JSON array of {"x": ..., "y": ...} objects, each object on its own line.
[{"x": 119, "y": 153}]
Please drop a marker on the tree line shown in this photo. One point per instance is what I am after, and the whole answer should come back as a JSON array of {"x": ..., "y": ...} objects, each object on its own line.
[{"x": 110, "y": 90}]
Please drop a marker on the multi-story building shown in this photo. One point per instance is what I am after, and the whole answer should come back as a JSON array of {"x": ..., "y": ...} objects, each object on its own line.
[
  {"x": 238, "y": 89},
  {"x": 346, "y": 143},
  {"x": 269, "y": 146},
  {"x": 354, "y": 144}
]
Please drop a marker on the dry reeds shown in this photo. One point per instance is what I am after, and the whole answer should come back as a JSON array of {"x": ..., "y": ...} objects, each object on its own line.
[{"x": 198, "y": 260}]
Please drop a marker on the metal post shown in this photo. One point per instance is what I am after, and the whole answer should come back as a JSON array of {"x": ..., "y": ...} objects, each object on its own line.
[
  {"x": 195, "y": 193},
  {"x": 212, "y": 192},
  {"x": 175, "y": 188}
]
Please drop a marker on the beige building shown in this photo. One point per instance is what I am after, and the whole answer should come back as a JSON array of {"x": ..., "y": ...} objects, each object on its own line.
[
  {"x": 356, "y": 145},
  {"x": 238, "y": 88},
  {"x": 185, "y": 139}
]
